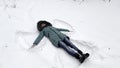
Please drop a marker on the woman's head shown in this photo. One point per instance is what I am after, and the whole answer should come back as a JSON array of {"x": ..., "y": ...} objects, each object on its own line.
[{"x": 42, "y": 24}]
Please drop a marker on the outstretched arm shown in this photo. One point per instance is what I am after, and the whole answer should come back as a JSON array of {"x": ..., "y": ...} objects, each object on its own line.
[
  {"x": 38, "y": 39},
  {"x": 61, "y": 29}
]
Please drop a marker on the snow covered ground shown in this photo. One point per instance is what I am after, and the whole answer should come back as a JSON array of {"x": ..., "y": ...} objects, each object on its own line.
[{"x": 94, "y": 25}]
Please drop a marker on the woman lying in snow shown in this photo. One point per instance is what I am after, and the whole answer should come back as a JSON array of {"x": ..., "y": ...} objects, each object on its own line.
[{"x": 58, "y": 39}]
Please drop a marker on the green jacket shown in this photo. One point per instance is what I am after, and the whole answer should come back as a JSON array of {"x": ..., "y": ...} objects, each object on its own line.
[{"x": 53, "y": 34}]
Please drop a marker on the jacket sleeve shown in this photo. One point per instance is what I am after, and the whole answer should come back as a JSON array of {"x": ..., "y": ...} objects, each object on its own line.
[
  {"x": 61, "y": 29},
  {"x": 39, "y": 38}
]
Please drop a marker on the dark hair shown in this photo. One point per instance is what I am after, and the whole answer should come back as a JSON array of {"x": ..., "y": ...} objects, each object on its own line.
[{"x": 43, "y": 22}]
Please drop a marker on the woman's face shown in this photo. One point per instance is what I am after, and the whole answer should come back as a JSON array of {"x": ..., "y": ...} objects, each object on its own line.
[{"x": 42, "y": 25}]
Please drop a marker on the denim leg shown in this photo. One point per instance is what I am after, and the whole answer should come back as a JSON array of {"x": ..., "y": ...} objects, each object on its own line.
[
  {"x": 68, "y": 50},
  {"x": 69, "y": 43}
]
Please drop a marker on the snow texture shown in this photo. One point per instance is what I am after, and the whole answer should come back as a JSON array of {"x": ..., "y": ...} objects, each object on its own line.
[{"x": 94, "y": 26}]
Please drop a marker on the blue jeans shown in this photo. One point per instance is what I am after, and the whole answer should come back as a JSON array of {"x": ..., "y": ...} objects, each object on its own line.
[{"x": 69, "y": 47}]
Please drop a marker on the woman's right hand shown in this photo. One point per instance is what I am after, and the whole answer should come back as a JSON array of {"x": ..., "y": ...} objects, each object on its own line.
[{"x": 32, "y": 46}]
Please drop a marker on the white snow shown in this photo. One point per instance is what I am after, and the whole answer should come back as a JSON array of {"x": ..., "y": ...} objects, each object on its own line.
[{"x": 94, "y": 26}]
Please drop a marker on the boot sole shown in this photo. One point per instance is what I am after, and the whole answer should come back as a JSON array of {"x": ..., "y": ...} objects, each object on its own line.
[{"x": 84, "y": 58}]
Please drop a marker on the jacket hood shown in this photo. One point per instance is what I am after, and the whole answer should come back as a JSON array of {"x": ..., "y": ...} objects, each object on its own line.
[{"x": 43, "y": 22}]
